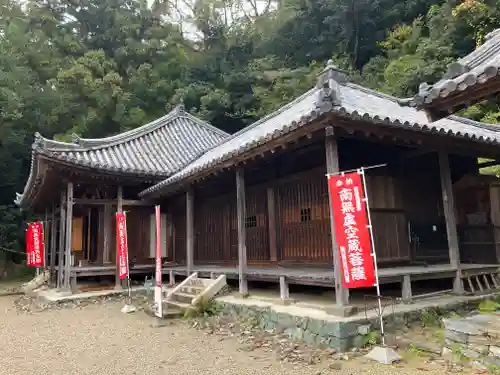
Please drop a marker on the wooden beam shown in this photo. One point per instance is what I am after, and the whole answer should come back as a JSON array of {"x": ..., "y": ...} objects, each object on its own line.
[
  {"x": 190, "y": 231},
  {"x": 103, "y": 202},
  {"x": 107, "y": 233},
  {"x": 53, "y": 238},
  {"x": 413, "y": 154},
  {"x": 421, "y": 139},
  {"x": 242, "y": 246},
  {"x": 271, "y": 220},
  {"x": 332, "y": 166},
  {"x": 451, "y": 221},
  {"x": 62, "y": 240},
  {"x": 119, "y": 208},
  {"x": 69, "y": 232}
]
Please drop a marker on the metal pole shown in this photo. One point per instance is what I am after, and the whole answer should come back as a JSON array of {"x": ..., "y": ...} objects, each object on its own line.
[
  {"x": 46, "y": 239},
  {"x": 374, "y": 253},
  {"x": 158, "y": 291},
  {"x": 356, "y": 170},
  {"x": 119, "y": 208},
  {"x": 128, "y": 264}
]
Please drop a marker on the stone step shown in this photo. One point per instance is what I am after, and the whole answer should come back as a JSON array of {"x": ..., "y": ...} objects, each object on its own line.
[
  {"x": 192, "y": 289},
  {"x": 176, "y": 304},
  {"x": 185, "y": 294},
  {"x": 169, "y": 312},
  {"x": 198, "y": 282},
  {"x": 182, "y": 297}
]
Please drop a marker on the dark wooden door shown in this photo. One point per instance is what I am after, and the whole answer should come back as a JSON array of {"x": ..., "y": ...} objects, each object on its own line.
[{"x": 303, "y": 221}]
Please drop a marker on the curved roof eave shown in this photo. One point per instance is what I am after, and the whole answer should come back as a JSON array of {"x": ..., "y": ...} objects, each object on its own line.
[
  {"x": 350, "y": 101},
  {"x": 478, "y": 67},
  {"x": 156, "y": 150}
]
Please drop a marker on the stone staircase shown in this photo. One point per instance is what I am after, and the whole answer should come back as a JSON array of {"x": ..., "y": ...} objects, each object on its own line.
[
  {"x": 38, "y": 281},
  {"x": 193, "y": 290}
]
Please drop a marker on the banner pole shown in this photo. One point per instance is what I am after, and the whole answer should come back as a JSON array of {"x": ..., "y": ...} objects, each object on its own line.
[
  {"x": 158, "y": 274},
  {"x": 355, "y": 170},
  {"x": 374, "y": 253},
  {"x": 123, "y": 256},
  {"x": 128, "y": 264}
]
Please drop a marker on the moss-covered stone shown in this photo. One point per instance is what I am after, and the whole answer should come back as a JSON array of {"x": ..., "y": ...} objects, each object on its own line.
[
  {"x": 339, "y": 329},
  {"x": 315, "y": 326},
  {"x": 310, "y": 338}
]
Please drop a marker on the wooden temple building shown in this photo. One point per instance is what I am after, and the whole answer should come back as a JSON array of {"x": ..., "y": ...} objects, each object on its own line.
[{"x": 255, "y": 206}]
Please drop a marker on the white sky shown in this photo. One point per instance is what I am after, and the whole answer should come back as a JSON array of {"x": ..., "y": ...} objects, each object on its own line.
[{"x": 181, "y": 12}]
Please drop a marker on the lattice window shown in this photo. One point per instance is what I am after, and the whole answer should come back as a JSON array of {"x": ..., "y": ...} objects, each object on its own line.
[
  {"x": 305, "y": 214},
  {"x": 251, "y": 221}
]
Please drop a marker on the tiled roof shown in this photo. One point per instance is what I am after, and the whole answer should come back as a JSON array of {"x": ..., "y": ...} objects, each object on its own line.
[
  {"x": 475, "y": 68},
  {"x": 342, "y": 98},
  {"x": 155, "y": 150}
]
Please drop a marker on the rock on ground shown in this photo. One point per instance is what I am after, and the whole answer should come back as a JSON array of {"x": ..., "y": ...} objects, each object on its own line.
[{"x": 94, "y": 337}]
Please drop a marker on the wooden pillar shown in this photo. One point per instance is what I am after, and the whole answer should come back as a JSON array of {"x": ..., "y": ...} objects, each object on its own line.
[
  {"x": 242, "y": 246},
  {"x": 62, "y": 240},
  {"x": 119, "y": 208},
  {"x": 107, "y": 233},
  {"x": 495, "y": 217},
  {"x": 271, "y": 218},
  {"x": 69, "y": 232},
  {"x": 284, "y": 291},
  {"x": 406, "y": 292},
  {"x": 189, "y": 231},
  {"x": 451, "y": 221},
  {"x": 332, "y": 166},
  {"x": 52, "y": 245},
  {"x": 46, "y": 239}
]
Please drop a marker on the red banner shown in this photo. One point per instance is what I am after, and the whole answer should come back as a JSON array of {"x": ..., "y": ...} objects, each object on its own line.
[
  {"x": 351, "y": 228},
  {"x": 121, "y": 243},
  {"x": 158, "y": 247},
  {"x": 29, "y": 247},
  {"x": 35, "y": 247}
]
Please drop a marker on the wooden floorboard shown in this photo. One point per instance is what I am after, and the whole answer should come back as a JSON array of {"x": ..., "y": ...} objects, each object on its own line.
[{"x": 306, "y": 276}]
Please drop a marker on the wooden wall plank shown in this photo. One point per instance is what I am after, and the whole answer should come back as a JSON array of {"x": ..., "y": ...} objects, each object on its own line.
[
  {"x": 77, "y": 234},
  {"x": 271, "y": 215}
]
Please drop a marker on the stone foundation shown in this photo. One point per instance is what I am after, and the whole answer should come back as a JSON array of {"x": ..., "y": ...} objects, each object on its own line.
[
  {"x": 475, "y": 338},
  {"x": 341, "y": 334}
]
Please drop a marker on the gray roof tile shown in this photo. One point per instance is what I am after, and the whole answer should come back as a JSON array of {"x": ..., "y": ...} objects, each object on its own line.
[
  {"x": 157, "y": 149},
  {"x": 475, "y": 68},
  {"x": 350, "y": 101}
]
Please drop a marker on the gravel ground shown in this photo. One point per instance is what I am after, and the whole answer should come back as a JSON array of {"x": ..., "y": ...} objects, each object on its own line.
[{"x": 99, "y": 339}]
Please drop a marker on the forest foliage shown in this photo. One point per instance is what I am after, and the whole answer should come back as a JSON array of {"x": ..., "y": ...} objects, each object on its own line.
[{"x": 99, "y": 67}]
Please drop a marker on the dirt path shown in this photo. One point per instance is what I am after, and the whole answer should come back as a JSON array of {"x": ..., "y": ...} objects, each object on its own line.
[{"x": 101, "y": 340}]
